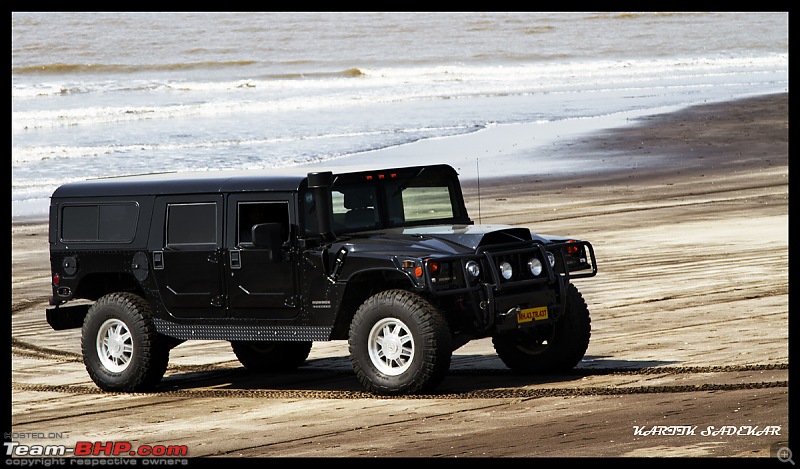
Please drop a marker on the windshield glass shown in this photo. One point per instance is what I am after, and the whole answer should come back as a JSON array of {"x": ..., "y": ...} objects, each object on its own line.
[
  {"x": 419, "y": 199},
  {"x": 391, "y": 198}
]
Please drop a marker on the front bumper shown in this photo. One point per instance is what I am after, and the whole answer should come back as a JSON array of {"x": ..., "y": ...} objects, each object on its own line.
[{"x": 522, "y": 301}]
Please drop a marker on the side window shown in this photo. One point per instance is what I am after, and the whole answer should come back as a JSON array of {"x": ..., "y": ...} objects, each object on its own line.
[
  {"x": 254, "y": 213},
  {"x": 104, "y": 222},
  {"x": 118, "y": 222},
  {"x": 79, "y": 223},
  {"x": 194, "y": 223}
]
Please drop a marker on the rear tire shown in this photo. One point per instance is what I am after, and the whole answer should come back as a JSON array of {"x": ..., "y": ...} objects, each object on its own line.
[
  {"x": 551, "y": 349},
  {"x": 260, "y": 356},
  {"x": 121, "y": 349},
  {"x": 399, "y": 344}
]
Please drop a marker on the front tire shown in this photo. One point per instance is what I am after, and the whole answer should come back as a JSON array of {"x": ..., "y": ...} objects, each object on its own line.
[
  {"x": 261, "y": 356},
  {"x": 399, "y": 344},
  {"x": 553, "y": 348},
  {"x": 121, "y": 349}
]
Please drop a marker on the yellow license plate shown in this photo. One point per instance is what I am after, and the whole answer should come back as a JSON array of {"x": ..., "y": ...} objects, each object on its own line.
[{"x": 532, "y": 314}]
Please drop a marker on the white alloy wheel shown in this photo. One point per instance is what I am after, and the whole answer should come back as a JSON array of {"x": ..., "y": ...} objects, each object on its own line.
[
  {"x": 114, "y": 345},
  {"x": 391, "y": 346}
]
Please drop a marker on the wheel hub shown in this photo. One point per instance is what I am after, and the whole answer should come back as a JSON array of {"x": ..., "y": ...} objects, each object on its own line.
[
  {"x": 114, "y": 345},
  {"x": 391, "y": 347}
]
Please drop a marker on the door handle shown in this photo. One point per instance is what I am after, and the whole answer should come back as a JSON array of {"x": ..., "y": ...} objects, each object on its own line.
[
  {"x": 158, "y": 260},
  {"x": 236, "y": 259}
]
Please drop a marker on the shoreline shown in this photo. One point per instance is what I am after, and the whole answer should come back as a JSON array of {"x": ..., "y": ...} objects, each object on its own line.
[
  {"x": 696, "y": 138},
  {"x": 611, "y": 146},
  {"x": 713, "y": 138}
]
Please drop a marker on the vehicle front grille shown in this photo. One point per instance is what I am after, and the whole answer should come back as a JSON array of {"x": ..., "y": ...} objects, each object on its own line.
[{"x": 451, "y": 274}]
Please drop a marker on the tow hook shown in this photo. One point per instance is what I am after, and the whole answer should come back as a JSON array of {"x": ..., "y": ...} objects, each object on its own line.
[{"x": 513, "y": 311}]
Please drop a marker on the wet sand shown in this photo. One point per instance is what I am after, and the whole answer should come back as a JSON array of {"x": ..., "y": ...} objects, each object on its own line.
[{"x": 689, "y": 309}]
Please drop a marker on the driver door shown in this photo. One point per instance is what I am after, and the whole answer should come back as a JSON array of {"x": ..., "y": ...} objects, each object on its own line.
[{"x": 261, "y": 281}]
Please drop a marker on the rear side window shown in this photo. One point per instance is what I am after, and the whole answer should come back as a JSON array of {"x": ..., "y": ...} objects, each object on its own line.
[
  {"x": 192, "y": 223},
  {"x": 111, "y": 222}
]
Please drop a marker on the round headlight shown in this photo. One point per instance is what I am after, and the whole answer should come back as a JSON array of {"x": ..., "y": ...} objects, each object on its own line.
[
  {"x": 551, "y": 259},
  {"x": 536, "y": 266},
  {"x": 473, "y": 268},
  {"x": 506, "y": 271}
]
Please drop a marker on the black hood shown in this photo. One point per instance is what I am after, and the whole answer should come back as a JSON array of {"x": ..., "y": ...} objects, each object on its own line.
[
  {"x": 437, "y": 239},
  {"x": 471, "y": 236}
]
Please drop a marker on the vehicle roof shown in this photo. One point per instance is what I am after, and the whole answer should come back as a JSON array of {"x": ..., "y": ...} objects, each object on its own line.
[{"x": 219, "y": 181}]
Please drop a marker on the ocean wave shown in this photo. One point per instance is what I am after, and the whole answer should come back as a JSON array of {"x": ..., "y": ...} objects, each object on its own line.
[
  {"x": 33, "y": 154},
  {"x": 381, "y": 86},
  {"x": 527, "y": 69},
  {"x": 81, "y": 69}
]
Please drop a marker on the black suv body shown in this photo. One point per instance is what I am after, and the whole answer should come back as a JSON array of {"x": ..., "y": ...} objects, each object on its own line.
[{"x": 273, "y": 261}]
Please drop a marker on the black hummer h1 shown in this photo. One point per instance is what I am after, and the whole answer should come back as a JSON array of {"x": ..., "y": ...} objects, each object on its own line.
[{"x": 273, "y": 261}]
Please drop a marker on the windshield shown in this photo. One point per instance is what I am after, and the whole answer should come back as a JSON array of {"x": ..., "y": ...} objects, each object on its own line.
[{"x": 403, "y": 197}]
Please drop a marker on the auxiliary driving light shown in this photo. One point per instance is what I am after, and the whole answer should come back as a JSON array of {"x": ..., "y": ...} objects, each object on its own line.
[
  {"x": 536, "y": 266},
  {"x": 474, "y": 269},
  {"x": 506, "y": 271}
]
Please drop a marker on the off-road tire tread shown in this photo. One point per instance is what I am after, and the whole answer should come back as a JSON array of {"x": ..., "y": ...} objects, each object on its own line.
[
  {"x": 434, "y": 338},
  {"x": 151, "y": 351},
  {"x": 570, "y": 342}
]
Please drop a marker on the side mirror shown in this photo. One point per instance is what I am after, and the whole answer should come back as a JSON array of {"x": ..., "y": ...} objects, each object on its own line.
[{"x": 268, "y": 236}]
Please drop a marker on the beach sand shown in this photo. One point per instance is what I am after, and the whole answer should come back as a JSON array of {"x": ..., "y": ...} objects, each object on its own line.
[{"x": 691, "y": 231}]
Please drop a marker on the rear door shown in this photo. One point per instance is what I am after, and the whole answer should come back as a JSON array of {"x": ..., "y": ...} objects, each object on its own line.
[
  {"x": 187, "y": 255},
  {"x": 261, "y": 282}
]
